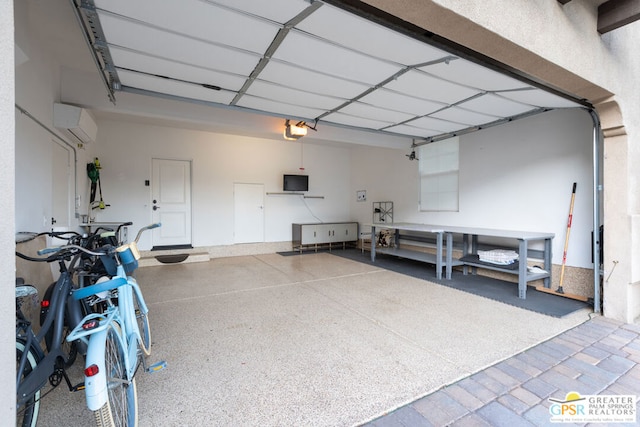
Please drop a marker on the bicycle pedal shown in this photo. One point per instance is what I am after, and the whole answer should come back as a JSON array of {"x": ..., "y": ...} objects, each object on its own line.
[
  {"x": 78, "y": 387},
  {"x": 158, "y": 366}
]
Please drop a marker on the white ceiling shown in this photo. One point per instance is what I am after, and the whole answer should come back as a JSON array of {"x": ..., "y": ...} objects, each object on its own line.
[{"x": 303, "y": 61}]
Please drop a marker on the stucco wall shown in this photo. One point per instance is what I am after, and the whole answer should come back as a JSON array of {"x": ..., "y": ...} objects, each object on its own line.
[{"x": 7, "y": 226}]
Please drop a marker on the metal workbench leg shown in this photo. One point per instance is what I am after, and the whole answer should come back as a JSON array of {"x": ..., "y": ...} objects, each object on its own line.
[
  {"x": 449, "y": 260},
  {"x": 474, "y": 250},
  {"x": 522, "y": 269},
  {"x": 373, "y": 244},
  {"x": 465, "y": 252},
  {"x": 547, "y": 262},
  {"x": 439, "y": 256}
]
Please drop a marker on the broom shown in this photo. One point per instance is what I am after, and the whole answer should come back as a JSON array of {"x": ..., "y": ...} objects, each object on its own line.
[
  {"x": 566, "y": 239},
  {"x": 560, "y": 291}
]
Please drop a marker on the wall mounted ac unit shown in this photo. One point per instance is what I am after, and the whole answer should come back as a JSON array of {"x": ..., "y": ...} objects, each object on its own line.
[{"x": 76, "y": 120}]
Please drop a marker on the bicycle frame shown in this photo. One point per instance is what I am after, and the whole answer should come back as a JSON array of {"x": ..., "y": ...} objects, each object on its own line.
[
  {"x": 95, "y": 328},
  {"x": 47, "y": 364},
  {"x": 124, "y": 315}
]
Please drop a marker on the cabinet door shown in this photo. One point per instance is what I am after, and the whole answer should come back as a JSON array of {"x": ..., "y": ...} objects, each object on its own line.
[
  {"x": 308, "y": 234},
  {"x": 325, "y": 233},
  {"x": 351, "y": 232},
  {"x": 346, "y": 232}
]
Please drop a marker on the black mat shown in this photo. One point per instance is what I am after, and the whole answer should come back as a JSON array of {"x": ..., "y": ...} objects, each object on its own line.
[
  {"x": 498, "y": 290},
  {"x": 172, "y": 259}
]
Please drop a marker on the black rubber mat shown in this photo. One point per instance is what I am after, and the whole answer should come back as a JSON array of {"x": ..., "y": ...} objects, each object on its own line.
[
  {"x": 172, "y": 259},
  {"x": 498, "y": 290}
]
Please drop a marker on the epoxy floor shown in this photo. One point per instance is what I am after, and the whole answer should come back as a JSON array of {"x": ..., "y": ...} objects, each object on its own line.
[{"x": 309, "y": 340}]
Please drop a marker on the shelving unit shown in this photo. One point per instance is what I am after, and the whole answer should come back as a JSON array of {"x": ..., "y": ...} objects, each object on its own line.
[{"x": 382, "y": 212}]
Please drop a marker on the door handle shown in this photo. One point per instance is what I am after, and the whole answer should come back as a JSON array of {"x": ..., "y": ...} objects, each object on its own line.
[{"x": 156, "y": 207}]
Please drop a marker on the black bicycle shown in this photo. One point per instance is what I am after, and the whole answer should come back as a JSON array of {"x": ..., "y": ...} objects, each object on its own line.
[
  {"x": 35, "y": 365},
  {"x": 85, "y": 269}
]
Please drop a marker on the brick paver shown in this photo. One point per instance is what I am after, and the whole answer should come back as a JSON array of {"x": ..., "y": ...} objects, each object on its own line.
[{"x": 600, "y": 356}]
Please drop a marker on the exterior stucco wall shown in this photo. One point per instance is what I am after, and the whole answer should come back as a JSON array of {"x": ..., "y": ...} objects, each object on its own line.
[
  {"x": 7, "y": 225},
  {"x": 559, "y": 46}
]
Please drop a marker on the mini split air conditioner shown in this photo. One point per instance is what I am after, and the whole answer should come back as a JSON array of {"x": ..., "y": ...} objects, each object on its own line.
[{"x": 76, "y": 120}]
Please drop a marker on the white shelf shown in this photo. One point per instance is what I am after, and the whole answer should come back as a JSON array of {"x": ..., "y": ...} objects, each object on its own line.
[{"x": 294, "y": 194}]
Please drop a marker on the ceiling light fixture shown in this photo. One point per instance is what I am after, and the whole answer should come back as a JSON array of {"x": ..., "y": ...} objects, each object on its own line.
[{"x": 294, "y": 132}]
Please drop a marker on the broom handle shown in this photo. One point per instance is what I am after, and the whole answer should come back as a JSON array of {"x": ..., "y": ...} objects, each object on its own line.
[{"x": 566, "y": 240}]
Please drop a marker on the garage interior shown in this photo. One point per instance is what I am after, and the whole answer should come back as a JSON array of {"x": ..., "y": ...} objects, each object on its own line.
[{"x": 365, "y": 104}]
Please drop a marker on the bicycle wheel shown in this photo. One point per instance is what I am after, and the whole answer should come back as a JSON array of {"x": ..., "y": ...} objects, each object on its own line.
[
  {"x": 27, "y": 414},
  {"x": 143, "y": 326},
  {"x": 121, "y": 408}
]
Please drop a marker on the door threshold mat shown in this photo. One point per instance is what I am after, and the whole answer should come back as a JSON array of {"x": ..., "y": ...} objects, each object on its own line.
[
  {"x": 171, "y": 259},
  {"x": 488, "y": 287},
  {"x": 171, "y": 247}
]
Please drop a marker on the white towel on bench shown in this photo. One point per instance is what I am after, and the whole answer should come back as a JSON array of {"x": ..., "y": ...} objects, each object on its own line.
[{"x": 498, "y": 256}]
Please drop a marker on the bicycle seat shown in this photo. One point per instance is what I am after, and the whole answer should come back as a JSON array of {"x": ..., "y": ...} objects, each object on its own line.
[
  {"x": 25, "y": 291},
  {"x": 99, "y": 287}
]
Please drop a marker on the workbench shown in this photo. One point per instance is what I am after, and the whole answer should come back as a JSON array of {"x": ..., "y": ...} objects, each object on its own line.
[
  {"x": 438, "y": 258},
  {"x": 444, "y": 248}
]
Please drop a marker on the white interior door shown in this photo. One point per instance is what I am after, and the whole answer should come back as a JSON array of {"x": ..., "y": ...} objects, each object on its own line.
[
  {"x": 60, "y": 187},
  {"x": 171, "y": 202},
  {"x": 249, "y": 213}
]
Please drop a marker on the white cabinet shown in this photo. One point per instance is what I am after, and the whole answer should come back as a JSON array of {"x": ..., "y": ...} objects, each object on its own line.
[
  {"x": 344, "y": 232},
  {"x": 314, "y": 235}
]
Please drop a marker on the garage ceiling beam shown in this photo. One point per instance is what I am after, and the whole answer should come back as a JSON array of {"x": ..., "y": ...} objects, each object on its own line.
[{"x": 617, "y": 13}]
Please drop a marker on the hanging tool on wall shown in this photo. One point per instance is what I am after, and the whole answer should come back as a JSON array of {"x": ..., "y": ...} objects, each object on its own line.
[{"x": 93, "y": 171}]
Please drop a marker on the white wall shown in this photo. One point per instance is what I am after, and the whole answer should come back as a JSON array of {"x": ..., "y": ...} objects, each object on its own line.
[
  {"x": 516, "y": 176},
  {"x": 218, "y": 161},
  {"x": 36, "y": 87}
]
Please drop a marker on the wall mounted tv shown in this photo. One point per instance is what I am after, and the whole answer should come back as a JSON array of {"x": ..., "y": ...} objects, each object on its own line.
[{"x": 295, "y": 183}]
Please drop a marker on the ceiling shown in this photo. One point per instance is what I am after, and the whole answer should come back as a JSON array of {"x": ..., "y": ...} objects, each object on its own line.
[{"x": 304, "y": 61}]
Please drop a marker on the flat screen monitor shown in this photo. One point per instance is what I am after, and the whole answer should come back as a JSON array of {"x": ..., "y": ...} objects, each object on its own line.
[{"x": 295, "y": 183}]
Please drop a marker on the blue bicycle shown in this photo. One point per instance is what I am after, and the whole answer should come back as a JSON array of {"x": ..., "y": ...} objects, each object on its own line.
[{"x": 118, "y": 339}]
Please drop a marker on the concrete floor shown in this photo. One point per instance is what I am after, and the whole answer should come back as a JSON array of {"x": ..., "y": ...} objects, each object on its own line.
[{"x": 313, "y": 340}]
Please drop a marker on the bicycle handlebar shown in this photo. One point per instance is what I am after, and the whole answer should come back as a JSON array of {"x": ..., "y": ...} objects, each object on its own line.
[
  {"x": 148, "y": 227},
  {"x": 67, "y": 247},
  {"x": 55, "y": 251},
  {"x": 48, "y": 250},
  {"x": 28, "y": 235},
  {"x": 58, "y": 254}
]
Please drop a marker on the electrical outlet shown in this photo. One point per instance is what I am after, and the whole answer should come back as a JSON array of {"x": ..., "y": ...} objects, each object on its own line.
[{"x": 361, "y": 195}]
